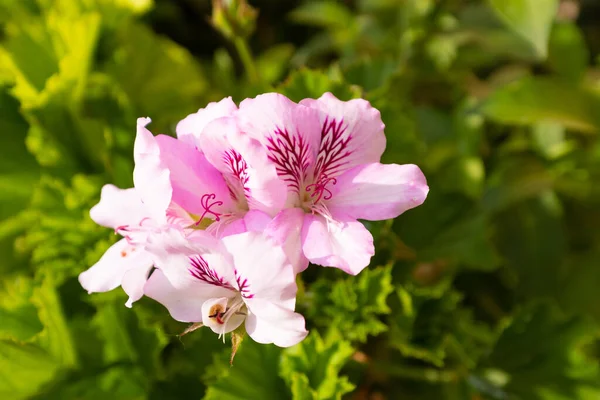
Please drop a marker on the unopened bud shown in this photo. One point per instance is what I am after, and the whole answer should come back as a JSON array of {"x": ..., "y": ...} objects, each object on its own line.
[{"x": 234, "y": 18}]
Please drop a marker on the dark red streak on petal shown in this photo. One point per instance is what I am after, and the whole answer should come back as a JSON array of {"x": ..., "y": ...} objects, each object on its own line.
[
  {"x": 200, "y": 270},
  {"x": 291, "y": 156},
  {"x": 333, "y": 150}
]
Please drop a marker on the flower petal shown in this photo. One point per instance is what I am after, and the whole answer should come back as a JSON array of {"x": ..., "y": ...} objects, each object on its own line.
[
  {"x": 193, "y": 178},
  {"x": 346, "y": 245},
  {"x": 134, "y": 280},
  {"x": 286, "y": 230},
  {"x": 262, "y": 269},
  {"x": 289, "y": 132},
  {"x": 376, "y": 191},
  {"x": 251, "y": 176},
  {"x": 190, "y": 128},
  {"x": 184, "y": 304},
  {"x": 199, "y": 263},
  {"x": 118, "y": 207},
  {"x": 150, "y": 175},
  {"x": 269, "y": 323},
  {"x": 108, "y": 272},
  {"x": 351, "y": 134},
  {"x": 253, "y": 221}
]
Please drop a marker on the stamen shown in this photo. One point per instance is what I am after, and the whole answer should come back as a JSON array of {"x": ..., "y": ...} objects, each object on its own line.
[
  {"x": 233, "y": 309},
  {"x": 204, "y": 202},
  {"x": 320, "y": 190}
]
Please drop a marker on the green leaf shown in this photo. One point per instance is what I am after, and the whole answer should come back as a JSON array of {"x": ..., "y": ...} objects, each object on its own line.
[
  {"x": 541, "y": 351},
  {"x": 579, "y": 280},
  {"x": 307, "y": 83},
  {"x": 24, "y": 369},
  {"x": 534, "y": 100},
  {"x": 432, "y": 325},
  {"x": 464, "y": 175},
  {"x": 18, "y": 174},
  {"x": 300, "y": 387},
  {"x": 327, "y": 14},
  {"x": 254, "y": 375},
  {"x": 272, "y": 63},
  {"x": 56, "y": 337},
  {"x": 535, "y": 259},
  {"x": 532, "y": 19},
  {"x": 371, "y": 74},
  {"x": 568, "y": 55},
  {"x": 64, "y": 240},
  {"x": 117, "y": 383},
  {"x": 18, "y": 169},
  {"x": 353, "y": 305},
  {"x": 127, "y": 338},
  {"x": 320, "y": 360},
  {"x": 19, "y": 317},
  {"x": 467, "y": 242}
]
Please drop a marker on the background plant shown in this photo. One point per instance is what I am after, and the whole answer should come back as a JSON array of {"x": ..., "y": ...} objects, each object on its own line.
[{"x": 487, "y": 291}]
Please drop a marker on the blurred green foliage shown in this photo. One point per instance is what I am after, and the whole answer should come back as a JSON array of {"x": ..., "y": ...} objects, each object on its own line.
[{"x": 487, "y": 291}]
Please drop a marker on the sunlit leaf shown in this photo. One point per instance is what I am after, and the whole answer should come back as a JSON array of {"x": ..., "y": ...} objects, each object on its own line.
[
  {"x": 535, "y": 100},
  {"x": 532, "y": 19},
  {"x": 320, "y": 360}
]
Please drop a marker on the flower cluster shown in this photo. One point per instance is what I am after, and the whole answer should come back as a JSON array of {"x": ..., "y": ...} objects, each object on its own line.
[{"x": 223, "y": 217}]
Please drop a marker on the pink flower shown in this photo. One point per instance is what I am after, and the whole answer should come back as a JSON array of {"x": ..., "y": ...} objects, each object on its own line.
[
  {"x": 327, "y": 153},
  {"x": 215, "y": 174},
  {"x": 222, "y": 283}
]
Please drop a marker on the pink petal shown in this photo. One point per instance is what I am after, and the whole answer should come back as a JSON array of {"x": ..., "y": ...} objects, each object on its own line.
[
  {"x": 289, "y": 132},
  {"x": 118, "y": 207},
  {"x": 150, "y": 176},
  {"x": 345, "y": 245},
  {"x": 193, "y": 178},
  {"x": 108, "y": 272},
  {"x": 256, "y": 221},
  {"x": 252, "y": 178},
  {"x": 184, "y": 304},
  {"x": 351, "y": 134},
  {"x": 252, "y": 221},
  {"x": 262, "y": 269},
  {"x": 286, "y": 229},
  {"x": 377, "y": 191},
  {"x": 190, "y": 128},
  {"x": 271, "y": 323}
]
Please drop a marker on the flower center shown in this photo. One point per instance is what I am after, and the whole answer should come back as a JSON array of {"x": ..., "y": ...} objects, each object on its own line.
[
  {"x": 207, "y": 202},
  {"x": 224, "y": 314},
  {"x": 316, "y": 193}
]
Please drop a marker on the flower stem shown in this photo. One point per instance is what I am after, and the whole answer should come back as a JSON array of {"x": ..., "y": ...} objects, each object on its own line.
[{"x": 246, "y": 56}]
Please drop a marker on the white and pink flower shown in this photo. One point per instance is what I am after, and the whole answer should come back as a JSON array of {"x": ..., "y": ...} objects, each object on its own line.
[
  {"x": 222, "y": 283},
  {"x": 230, "y": 210},
  {"x": 327, "y": 152}
]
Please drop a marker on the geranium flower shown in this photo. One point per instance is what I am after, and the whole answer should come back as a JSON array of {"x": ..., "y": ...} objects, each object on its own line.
[
  {"x": 222, "y": 283},
  {"x": 327, "y": 153}
]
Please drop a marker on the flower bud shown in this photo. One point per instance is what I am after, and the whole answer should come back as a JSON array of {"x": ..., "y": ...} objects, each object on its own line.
[{"x": 234, "y": 18}]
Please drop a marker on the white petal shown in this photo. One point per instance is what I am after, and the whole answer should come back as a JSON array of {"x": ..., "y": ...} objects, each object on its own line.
[
  {"x": 270, "y": 323},
  {"x": 108, "y": 272}
]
